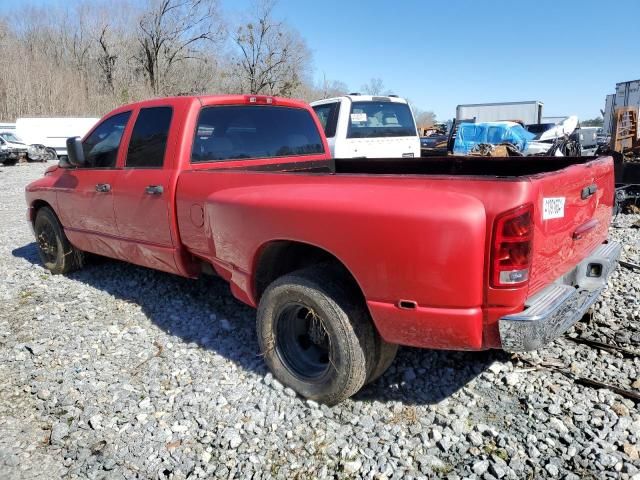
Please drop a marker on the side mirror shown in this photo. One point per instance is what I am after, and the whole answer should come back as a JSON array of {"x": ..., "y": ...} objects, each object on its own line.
[{"x": 75, "y": 152}]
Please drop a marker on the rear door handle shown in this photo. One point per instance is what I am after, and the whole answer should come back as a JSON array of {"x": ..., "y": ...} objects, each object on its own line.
[
  {"x": 103, "y": 187},
  {"x": 154, "y": 190}
]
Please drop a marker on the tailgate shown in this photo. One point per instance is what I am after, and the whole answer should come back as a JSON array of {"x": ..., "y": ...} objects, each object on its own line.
[{"x": 572, "y": 215}]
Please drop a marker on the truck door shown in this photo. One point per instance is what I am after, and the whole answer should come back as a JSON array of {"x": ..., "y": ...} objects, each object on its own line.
[
  {"x": 328, "y": 115},
  {"x": 85, "y": 194},
  {"x": 144, "y": 191}
]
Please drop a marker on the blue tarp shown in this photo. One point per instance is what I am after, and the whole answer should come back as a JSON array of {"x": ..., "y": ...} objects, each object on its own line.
[{"x": 494, "y": 133}]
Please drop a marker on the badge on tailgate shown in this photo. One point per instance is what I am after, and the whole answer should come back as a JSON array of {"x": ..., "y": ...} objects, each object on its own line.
[{"x": 552, "y": 207}]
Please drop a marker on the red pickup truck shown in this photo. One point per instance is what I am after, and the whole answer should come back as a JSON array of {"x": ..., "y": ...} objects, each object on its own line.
[{"x": 345, "y": 259}]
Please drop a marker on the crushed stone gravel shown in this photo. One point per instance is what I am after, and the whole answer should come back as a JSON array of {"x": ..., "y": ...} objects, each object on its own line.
[{"x": 120, "y": 372}]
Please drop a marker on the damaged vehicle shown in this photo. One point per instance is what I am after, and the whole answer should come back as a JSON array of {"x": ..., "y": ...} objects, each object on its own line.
[
  {"x": 15, "y": 148},
  {"x": 556, "y": 139},
  {"x": 11, "y": 150}
]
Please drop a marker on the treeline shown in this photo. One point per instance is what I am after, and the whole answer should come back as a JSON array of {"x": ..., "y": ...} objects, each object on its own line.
[{"x": 86, "y": 58}]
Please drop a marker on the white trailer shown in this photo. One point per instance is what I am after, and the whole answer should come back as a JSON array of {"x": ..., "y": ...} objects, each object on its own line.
[
  {"x": 627, "y": 95},
  {"x": 527, "y": 112},
  {"x": 53, "y": 132}
]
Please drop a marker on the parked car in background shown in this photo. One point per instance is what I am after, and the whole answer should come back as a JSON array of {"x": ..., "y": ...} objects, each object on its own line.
[
  {"x": 366, "y": 126},
  {"x": 33, "y": 153},
  {"x": 345, "y": 259},
  {"x": 434, "y": 145},
  {"x": 53, "y": 132}
]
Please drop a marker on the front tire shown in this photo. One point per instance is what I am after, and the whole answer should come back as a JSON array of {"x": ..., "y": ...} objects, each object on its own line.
[
  {"x": 315, "y": 336},
  {"x": 56, "y": 252},
  {"x": 50, "y": 154}
]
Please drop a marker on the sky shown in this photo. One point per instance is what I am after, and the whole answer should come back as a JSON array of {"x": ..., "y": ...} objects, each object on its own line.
[{"x": 567, "y": 54}]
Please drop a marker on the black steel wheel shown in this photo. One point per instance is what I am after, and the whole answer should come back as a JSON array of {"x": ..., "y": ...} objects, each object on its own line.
[
  {"x": 56, "y": 252},
  {"x": 302, "y": 341},
  {"x": 316, "y": 335}
]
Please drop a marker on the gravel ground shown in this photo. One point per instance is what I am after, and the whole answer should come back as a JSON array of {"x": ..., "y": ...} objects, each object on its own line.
[{"x": 122, "y": 372}]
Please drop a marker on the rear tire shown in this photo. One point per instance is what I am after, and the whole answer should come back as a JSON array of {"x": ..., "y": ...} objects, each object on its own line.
[
  {"x": 56, "y": 252},
  {"x": 384, "y": 357},
  {"x": 315, "y": 335}
]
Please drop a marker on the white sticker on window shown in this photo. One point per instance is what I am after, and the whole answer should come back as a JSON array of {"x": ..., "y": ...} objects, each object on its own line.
[
  {"x": 358, "y": 117},
  {"x": 552, "y": 208}
]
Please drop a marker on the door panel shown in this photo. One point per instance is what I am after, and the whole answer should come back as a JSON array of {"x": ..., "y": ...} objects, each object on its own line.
[
  {"x": 142, "y": 215},
  {"x": 85, "y": 194},
  {"x": 81, "y": 206},
  {"x": 144, "y": 189}
]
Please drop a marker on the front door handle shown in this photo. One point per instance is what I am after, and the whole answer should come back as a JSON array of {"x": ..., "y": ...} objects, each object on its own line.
[
  {"x": 103, "y": 187},
  {"x": 154, "y": 190}
]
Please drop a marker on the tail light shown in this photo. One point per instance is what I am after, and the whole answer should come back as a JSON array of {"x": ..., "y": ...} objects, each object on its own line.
[
  {"x": 259, "y": 100},
  {"x": 512, "y": 242}
]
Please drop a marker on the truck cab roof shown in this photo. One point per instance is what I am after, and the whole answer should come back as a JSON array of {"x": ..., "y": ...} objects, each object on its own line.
[{"x": 362, "y": 98}]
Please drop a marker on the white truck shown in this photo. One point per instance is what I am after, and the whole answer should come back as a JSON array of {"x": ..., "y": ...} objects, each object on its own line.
[
  {"x": 368, "y": 126},
  {"x": 53, "y": 132}
]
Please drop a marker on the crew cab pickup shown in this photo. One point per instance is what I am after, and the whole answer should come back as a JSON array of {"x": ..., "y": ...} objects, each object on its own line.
[
  {"x": 366, "y": 126},
  {"x": 345, "y": 259}
]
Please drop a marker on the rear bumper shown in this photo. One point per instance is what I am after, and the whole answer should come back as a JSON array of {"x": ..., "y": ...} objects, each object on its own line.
[{"x": 551, "y": 312}]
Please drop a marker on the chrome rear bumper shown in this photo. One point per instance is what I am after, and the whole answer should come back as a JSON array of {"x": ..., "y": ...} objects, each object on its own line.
[{"x": 551, "y": 312}]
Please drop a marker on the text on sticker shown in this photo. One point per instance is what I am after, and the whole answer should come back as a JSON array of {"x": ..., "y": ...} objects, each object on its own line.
[{"x": 553, "y": 208}]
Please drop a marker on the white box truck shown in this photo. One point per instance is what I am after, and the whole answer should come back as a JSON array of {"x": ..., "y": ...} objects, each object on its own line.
[
  {"x": 53, "y": 132},
  {"x": 527, "y": 112}
]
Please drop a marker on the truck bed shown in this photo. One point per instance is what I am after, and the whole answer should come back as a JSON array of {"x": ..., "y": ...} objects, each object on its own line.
[
  {"x": 494, "y": 167},
  {"x": 458, "y": 165}
]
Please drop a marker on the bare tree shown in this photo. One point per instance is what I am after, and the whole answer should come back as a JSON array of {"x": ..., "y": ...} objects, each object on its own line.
[
  {"x": 424, "y": 118},
  {"x": 271, "y": 58},
  {"x": 82, "y": 58},
  {"x": 374, "y": 87},
  {"x": 170, "y": 32}
]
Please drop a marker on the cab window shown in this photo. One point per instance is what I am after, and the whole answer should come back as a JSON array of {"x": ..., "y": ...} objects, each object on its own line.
[
  {"x": 328, "y": 115},
  {"x": 149, "y": 138},
  {"x": 252, "y": 131},
  {"x": 101, "y": 146}
]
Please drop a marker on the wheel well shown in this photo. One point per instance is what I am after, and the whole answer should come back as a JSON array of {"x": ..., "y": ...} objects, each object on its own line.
[
  {"x": 37, "y": 205},
  {"x": 281, "y": 257}
]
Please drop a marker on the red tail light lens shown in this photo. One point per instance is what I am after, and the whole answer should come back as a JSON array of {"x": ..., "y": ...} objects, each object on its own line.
[{"x": 512, "y": 242}]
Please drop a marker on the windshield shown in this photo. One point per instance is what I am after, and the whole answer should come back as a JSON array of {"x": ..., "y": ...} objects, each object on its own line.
[
  {"x": 380, "y": 119},
  {"x": 539, "y": 128},
  {"x": 10, "y": 137}
]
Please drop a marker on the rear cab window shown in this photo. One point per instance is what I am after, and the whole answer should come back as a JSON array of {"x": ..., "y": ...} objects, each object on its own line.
[
  {"x": 380, "y": 119},
  {"x": 237, "y": 132}
]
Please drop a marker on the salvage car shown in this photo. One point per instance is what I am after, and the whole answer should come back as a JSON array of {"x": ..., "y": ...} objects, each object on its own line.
[
  {"x": 33, "y": 153},
  {"x": 11, "y": 149},
  {"x": 344, "y": 259}
]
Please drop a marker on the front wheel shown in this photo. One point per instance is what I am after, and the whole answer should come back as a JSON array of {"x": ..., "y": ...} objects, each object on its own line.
[
  {"x": 50, "y": 155},
  {"x": 56, "y": 252},
  {"x": 315, "y": 335}
]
